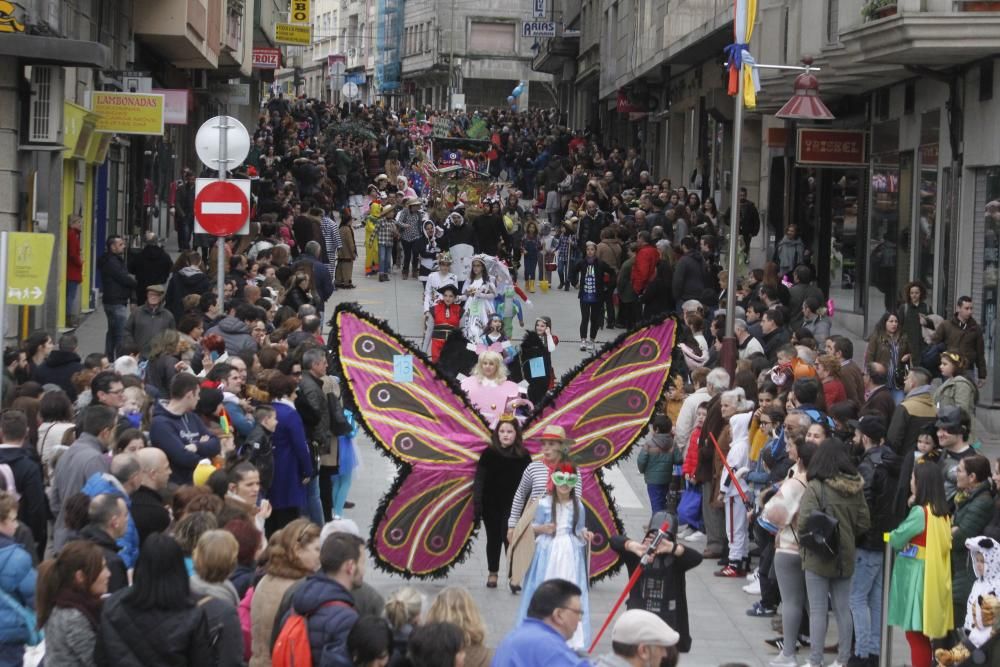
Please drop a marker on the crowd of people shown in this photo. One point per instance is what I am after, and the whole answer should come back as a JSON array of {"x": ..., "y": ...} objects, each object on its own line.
[{"x": 180, "y": 496}]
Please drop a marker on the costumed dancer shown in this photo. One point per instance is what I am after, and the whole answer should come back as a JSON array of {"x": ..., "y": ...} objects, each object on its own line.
[
  {"x": 493, "y": 339},
  {"x": 435, "y": 281},
  {"x": 371, "y": 239},
  {"x": 446, "y": 316},
  {"x": 662, "y": 586},
  {"x": 536, "y": 359},
  {"x": 535, "y": 482},
  {"x": 985, "y": 553},
  {"x": 488, "y": 388},
  {"x": 920, "y": 593},
  {"x": 479, "y": 293},
  {"x": 561, "y": 546},
  {"x": 427, "y": 248},
  {"x": 510, "y": 304},
  {"x": 498, "y": 474},
  {"x": 738, "y": 410},
  {"x": 460, "y": 239}
]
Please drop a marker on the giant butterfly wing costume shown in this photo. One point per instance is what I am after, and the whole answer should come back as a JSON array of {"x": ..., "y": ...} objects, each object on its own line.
[{"x": 424, "y": 524}]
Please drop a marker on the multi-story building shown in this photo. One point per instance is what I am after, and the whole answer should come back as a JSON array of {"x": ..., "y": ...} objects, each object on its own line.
[{"x": 903, "y": 185}]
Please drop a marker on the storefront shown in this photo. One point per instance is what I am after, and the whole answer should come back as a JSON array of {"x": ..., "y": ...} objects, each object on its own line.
[{"x": 986, "y": 264}]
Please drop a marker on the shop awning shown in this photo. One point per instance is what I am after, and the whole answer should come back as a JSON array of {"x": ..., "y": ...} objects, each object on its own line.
[{"x": 39, "y": 50}]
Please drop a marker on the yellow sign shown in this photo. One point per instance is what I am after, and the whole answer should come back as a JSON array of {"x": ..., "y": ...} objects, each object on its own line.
[
  {"x": 128, "y": 113},
  {"x": 78, "y": 127},
  {"x": 29, "y": 262},
  {"x": 287, "y": 33},
  {"x": 8, "y": 22},
  {"x": 299, "y": 12}
]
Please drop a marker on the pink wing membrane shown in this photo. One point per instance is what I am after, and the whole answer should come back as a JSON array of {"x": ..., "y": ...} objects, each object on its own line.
[{"x": 604, "y": 408}]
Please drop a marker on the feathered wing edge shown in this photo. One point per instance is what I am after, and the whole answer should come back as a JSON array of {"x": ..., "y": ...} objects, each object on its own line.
[
  {"x": 403, "y": 468},
  {"x": 568, "y": 377}
]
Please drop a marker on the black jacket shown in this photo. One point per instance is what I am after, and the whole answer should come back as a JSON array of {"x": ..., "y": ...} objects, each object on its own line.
[
  {"x": 151, "y": 267},
  {"x": 116, "y": 283},
  {"x": 605, "y": 278},
  {"x": 149, "y": 512},
  {"x": 879, "y": 468},
  {"x": 184, "y": 282},
  {"x": 119, "y": 573},
  {"x": 33, "y": 510},
  {"x": 58, "y": 369},
  {"x": 689, "y": 278},
  {"x": 131, "y": 637},
  {"x": 658, "y": 296},
  {"x": 460, "y": 235},
  {"x": 314, "y": 408},
  {"x": 489, "y": 230}
]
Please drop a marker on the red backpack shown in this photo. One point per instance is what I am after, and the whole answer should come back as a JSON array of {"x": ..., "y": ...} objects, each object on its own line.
[{"x": 292, "y": 648}]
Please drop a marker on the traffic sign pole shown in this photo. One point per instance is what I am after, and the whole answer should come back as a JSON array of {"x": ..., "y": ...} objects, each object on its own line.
[{"x": 220, "y": 243}]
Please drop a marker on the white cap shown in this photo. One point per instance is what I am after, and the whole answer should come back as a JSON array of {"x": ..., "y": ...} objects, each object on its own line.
[
  {"x": 339, "y": 526},
  {"x": 638, "y": 626}
]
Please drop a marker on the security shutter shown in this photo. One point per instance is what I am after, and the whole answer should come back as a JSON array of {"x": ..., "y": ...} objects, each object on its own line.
[{"x": 44, "y": 108}]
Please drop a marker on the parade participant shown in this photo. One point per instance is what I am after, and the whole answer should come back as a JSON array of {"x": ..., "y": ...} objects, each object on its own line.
[
  {"x": 539, "y": 343},
  {"x": 446, "y": 316},
  {"x": 488, "y": 388},
  {"x": 409, "y": 222},
  {"x": 427, "y": 249},
  {"x": 984, "y": 554},
  {"x": 385, "y": 235},
  {"x": 438, "y": 279},
  {"x": 371, "y": 239},
  {"x": 346, "y": 253},
  {"x": 498, "y": 474},
  {"x": 561, "y": 546},
  {"x": 737, "y": 409},
  {"x": 662, "y": 587},
  {"x": 478, "y": 296}
]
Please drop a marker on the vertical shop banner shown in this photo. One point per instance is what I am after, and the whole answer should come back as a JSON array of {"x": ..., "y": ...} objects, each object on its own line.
[
  {"x": 29, "y": 262},
  {"x": 299, "y": 11},
  {"x": 388, "y": 56}
]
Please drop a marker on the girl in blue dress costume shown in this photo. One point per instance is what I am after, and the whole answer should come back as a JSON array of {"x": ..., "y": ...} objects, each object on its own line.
[{"x": 560, "y": 547}]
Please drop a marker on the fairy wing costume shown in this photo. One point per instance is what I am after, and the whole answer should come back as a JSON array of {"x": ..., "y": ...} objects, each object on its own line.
[{"x": 424, "y": 524}]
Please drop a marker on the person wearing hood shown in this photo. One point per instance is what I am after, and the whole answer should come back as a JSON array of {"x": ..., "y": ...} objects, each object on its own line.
[
  {"x": 187, "y": 278},
  {"x": 235, "y": 329},
  {"x": 60, "y": 366},
  {"x": 914, "y": 413},
  {"x": 116, "y": 291},
  {"x": 689, "y": 273},
  {"x": 427, "y": 249},
  {"x": 180, "y": 433},
  {"x": 656, "y": 462},
  {"x": 17, "y": 581},
  {"x": 325, "y": 599},
  {"x": 737, "y": 409},
  {"x": 149, "y": 320},
  {"x": 984, "y": 554},
  {"x": 973, "y": 511},
  {"x": 879, "y": 468},
  {"x": 835, "y": 488},
  {"x": 151, "y": 266}
]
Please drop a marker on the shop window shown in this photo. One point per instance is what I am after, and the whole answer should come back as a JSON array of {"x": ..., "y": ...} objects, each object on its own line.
[
  {"x": 927, "y": 214},
  {"x": 832, "y": 21},
  {"x": 882, "y": 104},
  {"x": 986, "y": 269},
  {"x": 491, "y": 37},
  {"x": 986, "y": 81},
  {"x": 909, "y": 97}
]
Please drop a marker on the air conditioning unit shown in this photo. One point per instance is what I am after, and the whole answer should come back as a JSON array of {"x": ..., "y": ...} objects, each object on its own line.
[
  {"x": 44, "y": 106},
  {"x": 352, "y": 53}
]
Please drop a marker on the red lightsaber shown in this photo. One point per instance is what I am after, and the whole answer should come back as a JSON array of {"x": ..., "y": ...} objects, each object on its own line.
[
  {"x": 646, "y": 557},
  {"x": 732, "y": 476}
]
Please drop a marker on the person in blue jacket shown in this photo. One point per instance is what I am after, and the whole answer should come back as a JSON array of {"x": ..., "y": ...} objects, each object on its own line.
[
  {"x": 231, "y": 383},
  {"x": 180, "y": 433},
  {"x": 124, "y": 478},
  {"x": 294, "y": 466},
  {"x": 17, "y": 581},
  {"x": 554, "y": 613},
  {"x": 325, "y": 599}
]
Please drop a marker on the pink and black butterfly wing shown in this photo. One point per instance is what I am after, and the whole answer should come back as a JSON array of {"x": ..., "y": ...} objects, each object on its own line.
[
  {"x": 424, "y": 524},
  {"x": 604, "y": 406}
]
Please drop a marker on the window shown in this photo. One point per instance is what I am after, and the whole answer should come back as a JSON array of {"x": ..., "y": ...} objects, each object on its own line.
[
  {"x": 832, "y": 21},
  {"x": 491, "y": 37},
  {"x": 909, "y": 97},
  {"x": 430, "y": 38},
  {"x": 986, "y": 81}
]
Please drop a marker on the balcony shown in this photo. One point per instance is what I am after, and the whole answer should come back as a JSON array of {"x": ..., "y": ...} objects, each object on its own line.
[
  {"x": 235, "y": 47},
  {"x": 949, "y": 32},
  {"x": 554, "y": 54},
  {"x": 184, "y": 32}
]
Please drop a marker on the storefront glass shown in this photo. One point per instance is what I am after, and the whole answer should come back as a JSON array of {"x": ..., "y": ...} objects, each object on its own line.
[
  {"x": 928, "y": 199},
  {"x": 986, "y": 260}
]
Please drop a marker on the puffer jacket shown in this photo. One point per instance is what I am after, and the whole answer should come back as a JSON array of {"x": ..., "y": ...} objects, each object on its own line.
[
  {"x": 842, "y": 498},
  {"x": 131, "y": 637},
  {"x": 328, "y": 624},
  {"x": 17, "y": 578},
  {"x": 70, "y": 639},
  {"x": 973, "y": 511},
  {"x": 236, "y": 334},
  {"x": 879, "y": 467},
  {"x": 656, "y": 459}
]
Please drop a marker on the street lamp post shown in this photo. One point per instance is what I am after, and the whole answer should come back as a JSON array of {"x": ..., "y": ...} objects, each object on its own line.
[{"x": 805, "y": 104}]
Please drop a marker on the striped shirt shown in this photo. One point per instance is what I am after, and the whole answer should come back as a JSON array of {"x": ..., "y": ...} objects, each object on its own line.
[{"x": 534, "y": 484}]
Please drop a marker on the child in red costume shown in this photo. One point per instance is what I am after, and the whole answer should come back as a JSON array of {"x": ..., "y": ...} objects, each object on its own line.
[{"x": 446, "y": 314}]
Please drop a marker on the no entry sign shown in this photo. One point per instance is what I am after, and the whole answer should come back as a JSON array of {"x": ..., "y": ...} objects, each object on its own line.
[{"x": 221, "y": 208}]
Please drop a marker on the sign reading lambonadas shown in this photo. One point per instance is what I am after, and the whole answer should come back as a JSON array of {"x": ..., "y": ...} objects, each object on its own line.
[{"x": 128, "y": 113}]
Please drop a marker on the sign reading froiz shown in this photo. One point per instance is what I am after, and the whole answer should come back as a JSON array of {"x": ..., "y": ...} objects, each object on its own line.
[{"x": 538, "y": 29}]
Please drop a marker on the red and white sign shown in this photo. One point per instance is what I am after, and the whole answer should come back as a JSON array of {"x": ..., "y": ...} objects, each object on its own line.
[
  {"x": 266, "y": 58},
  {"x": 222, "y": 208},
  {"x": 833, "y": 147}
]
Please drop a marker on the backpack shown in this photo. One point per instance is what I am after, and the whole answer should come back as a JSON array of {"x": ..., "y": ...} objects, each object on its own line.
[{"x": 292, "y": 647}]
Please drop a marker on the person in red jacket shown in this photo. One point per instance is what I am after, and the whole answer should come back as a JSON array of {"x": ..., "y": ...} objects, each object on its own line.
[
  {"x": 447, "y": 315},
  {"x": 74, "y": 264},
  {"x": 645, "y": 263}
]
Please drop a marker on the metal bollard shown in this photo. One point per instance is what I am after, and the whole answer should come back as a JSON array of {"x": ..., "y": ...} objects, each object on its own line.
[{"x": 885, "y": 636}]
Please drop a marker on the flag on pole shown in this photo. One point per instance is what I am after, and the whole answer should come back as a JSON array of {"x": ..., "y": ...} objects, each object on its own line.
[{"x": 738, "y": 53}]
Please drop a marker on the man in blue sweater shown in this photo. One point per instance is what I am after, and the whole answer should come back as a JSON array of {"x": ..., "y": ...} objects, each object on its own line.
[
  {"x": 180, "y": 433},
  {"x": 540, "y": 640}
]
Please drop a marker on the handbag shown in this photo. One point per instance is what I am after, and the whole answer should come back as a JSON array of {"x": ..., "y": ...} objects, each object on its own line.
[
  {"x": 822, "y": 533},
  {"x": 689, "y": 507}
]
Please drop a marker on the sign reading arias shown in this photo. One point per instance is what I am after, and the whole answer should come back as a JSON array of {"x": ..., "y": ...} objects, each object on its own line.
[
  {"x": 299, "y": 12},
  {"x": 128, "y": 113}
]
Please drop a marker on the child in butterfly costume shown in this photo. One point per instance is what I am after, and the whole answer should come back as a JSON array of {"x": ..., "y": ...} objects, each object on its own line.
[{"x": 560, "y": 546}]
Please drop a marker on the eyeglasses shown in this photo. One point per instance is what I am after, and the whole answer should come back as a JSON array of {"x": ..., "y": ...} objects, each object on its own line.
[
  {"x": 297, "y": 373},
  {"x": 768, "y": 423},
  {"x": 576, "y": 611}
]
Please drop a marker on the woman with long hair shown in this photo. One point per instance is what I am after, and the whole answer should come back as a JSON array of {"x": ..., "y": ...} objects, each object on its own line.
[
  {"x": 561, "y": 546},
  {"x": 828, "y": 374},
  {"x": 596, "y": 278},
  {"x": 298, "y": 291},
  {"x": 920, "y": 600},
  {"x": 538, "y": 343},
  {"x": 292, "y": 554},
  {"x": 68, "y": 603},
  {"x": 156, "y": 621},
  {"x": 973, "y": 511},
  {"x": 888, "y": 345},
  {"x": 498, "y": 473},
  {"x": 913, "y": 314},
  {"x": 772, "y": 278},
  {"x": 956, "y": 389},
  {"x": 56, "y": 412},
  {"x": 164, "y": 357},
  {"x": 835, "y": 488},
  {"x": 403, "y": 610},
  {"x": 478, "y": 294},
  {"x": 455, "y": 605}
]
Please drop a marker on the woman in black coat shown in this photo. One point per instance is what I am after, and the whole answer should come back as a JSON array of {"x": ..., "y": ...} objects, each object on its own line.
[
  {"x": 537, "y": 344},
  {"x": 187, "y": 278},
  {"x": 596, "y": 278},
  {"x": 497, "y": 475},
  {"x": 299, "y": 291},
  {"x": 658, "y": 297}
]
